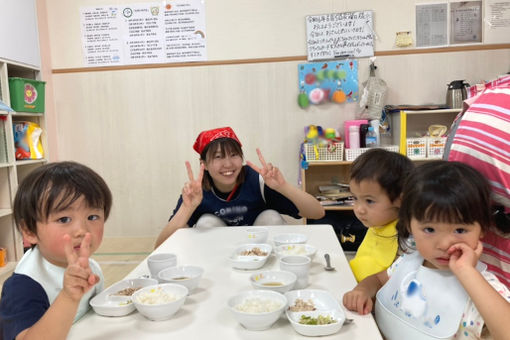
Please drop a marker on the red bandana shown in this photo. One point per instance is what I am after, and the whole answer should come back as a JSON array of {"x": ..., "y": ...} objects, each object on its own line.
[{"x": 206, "y": 137}]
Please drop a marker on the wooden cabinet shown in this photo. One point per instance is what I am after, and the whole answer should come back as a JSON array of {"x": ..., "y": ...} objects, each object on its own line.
[
  {"x": 325, "y": 173},
  {"x": 11, "y": 170}
]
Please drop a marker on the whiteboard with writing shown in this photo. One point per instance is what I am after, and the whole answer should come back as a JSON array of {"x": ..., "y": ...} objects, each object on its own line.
[{"x": 340, "y": 35}]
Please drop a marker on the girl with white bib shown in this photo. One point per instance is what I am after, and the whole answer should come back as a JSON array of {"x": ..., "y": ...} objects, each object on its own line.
[{"x": 438, "y": 289}]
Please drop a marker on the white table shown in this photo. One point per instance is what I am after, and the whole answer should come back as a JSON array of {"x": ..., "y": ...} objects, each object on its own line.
[{"x": 205, "y": 314}]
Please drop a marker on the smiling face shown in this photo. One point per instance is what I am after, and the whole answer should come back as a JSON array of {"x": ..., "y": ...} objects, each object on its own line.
[
  {"x": 224, "y": 168},
  {"x": 433, "y": 239},
  {"x": 75, "y": 220},
  {"x": 372, "y": 206}
]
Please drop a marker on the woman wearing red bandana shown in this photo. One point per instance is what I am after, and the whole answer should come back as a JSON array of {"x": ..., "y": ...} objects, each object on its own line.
[{"x": 228, "y": 193}]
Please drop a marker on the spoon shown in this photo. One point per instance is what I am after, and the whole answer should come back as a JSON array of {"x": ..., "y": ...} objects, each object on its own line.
[{"x": 328, "y": 266}]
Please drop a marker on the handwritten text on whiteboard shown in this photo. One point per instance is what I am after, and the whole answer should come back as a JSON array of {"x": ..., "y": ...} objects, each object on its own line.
[{"x": 340, "y": 35}]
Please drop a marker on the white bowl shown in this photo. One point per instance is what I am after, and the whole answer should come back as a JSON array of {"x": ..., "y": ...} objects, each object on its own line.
[
  {"x": 107, "y": 303},
  {"x": 266, "y": 315},
  {"x": 289, "y": 238},
  {"x": 239, "y": 261},
  {"x": 154, "y": 310},
  {"x": 160, "y": 261},
  {"x": 257, "y": 234},
  {"x": 188, "y": 276},
  {"x": 296, "y": 249},
  {"x": 278, "y": 281},
  {"x": 325, "y": 304}
]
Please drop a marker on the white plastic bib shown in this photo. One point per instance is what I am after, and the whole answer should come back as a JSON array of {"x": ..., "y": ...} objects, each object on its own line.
[
  {"x": 419, "y": 302},
  {"x": 51, "y": 277}
]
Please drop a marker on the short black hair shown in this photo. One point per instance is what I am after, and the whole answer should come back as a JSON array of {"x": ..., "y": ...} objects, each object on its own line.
[
  {"x": 388, "y": 169},
  {"x": 448, "y": 192},
  {"x": 54, "y": 187}
]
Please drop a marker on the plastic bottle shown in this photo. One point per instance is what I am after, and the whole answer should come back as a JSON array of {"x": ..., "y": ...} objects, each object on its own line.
[
  {"x": 354, "y": 137},
  {"x": 375, "y": 124},
  {"x": 371, "y": 138}
]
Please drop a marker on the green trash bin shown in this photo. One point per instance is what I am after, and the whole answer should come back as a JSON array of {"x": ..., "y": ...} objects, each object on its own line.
[{"x": 27, "y": 95}]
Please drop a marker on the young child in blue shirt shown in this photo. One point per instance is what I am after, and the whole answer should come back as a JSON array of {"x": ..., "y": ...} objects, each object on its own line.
[
  {"x": 376, "y": 181},
  {"x": 228, "y": 193},
  {"x": 60, "y": 208}
]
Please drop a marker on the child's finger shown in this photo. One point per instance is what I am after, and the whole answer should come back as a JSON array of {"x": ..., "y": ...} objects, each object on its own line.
[
  {"x": 190, "y": 172},
  {"x": 253, "y": 166},
  {"x": 69, "y": 250},
  {"x": 85, "y": 246},
  {"x": 261, "y": 158},
  {"x": 93, "y": 279}
]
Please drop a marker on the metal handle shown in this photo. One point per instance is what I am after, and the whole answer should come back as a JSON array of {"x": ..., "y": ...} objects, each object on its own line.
[{"x": 328, "y": 263}]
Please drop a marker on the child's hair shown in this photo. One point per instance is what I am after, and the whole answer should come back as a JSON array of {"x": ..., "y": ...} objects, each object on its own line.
[
  {"x": 54, "y": 187},
  {"x": 227, "y": 146},
  {"x": 387, "y": 168},
  {"x": 446, "y": 192}
]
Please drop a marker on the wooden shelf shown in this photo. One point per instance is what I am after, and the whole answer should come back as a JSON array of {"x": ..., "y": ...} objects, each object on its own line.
[
  {"x": 30, "y": 161},
  {"x": 27, "y": 114},
  {"x": 339, "y": 207}
]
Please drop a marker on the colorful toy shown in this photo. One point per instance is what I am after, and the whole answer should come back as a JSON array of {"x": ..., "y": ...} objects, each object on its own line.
[{"x": 27, "y": 140}]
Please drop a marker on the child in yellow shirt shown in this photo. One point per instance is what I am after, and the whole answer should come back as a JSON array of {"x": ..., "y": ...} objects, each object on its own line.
[{"x": 376, "y": 181}]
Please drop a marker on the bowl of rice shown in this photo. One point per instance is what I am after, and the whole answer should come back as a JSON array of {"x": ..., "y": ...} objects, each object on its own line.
[
  {"x": 257, "y": 310},
  {"x": 296, "y": 249},
  {"x": 161, "y": 301}
]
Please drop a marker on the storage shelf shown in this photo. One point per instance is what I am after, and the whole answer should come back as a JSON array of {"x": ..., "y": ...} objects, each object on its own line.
[
  {"x": 5, "y": 165},
  {"x": 27, "y": 114},
  {"x": 30, "y": 161},
  {"x": 339, "y": 207},
  {"x": 319, "y": 163},
  {"x": 5, "y": 212}
]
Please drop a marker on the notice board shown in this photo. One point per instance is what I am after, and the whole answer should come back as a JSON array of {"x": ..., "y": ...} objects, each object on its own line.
[{"x": 340, "y": 35}]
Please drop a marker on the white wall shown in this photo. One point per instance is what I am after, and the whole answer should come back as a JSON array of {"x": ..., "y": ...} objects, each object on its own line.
[{"x": 137, "y": 127}]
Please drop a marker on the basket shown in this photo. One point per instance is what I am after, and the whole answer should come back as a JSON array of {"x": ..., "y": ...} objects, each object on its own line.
[
  {"x": 319, "y": 152},
  {"x": 27, "y": 95},
  {"x": 435, "y": 147},
  {"x": 352, "y": 154},
  {"x": 416, "y": 148}
]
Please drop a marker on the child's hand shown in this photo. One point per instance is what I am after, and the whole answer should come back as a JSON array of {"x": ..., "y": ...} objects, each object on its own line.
[
  {"x": 192, "y": 192},
  {"x": 78, "y": 277},
  {"x": 271, "y": 174},
  {"x": 358, "y": 300},
  {"x": 463, "y": 256}
]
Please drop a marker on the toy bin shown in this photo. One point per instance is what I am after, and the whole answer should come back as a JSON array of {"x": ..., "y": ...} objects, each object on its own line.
[
  {"x": 352, "y": 154},
  {"x": 326, "y": 152},
  {"x": 27, "y": 95},
  {"x": 435, "y": 147},
  {"x": 416, "y": 148}
]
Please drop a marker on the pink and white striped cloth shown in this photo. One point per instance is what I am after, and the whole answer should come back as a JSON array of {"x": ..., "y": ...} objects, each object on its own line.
[{"x": 482, "y": 140}]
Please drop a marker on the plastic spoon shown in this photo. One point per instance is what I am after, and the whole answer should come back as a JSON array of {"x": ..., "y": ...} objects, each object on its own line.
[{"x": 328, "y": 266}]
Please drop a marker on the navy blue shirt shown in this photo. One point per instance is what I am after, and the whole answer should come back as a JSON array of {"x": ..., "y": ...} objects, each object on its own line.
[
  {"x": 243, "y": 209},
  {"x": 23, "y": 303}
]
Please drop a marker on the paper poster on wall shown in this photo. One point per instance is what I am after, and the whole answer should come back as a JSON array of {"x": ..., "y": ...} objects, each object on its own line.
[
  {"x": 144, "y": 33},
  {"x": 465, "y": 22},
  {"x": 335, "y": 81},
  {"x": 497, "y": 21},
  {"x": 431, "y": 25},
  {"x": 340, "y": 35}
]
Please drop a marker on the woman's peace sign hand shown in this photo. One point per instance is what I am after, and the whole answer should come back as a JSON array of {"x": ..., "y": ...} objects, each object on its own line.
[
  {"x": 271, "y": 174},
  {"x": 192, "y": 192},
  {"x": 78, "y": 277}
]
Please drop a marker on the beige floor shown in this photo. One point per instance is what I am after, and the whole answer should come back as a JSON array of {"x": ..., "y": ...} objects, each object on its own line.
[{"x": 118, "y": 256}]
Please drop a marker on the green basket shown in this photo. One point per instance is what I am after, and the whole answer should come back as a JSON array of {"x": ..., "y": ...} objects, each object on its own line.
[{"x": 27, "y": 95}]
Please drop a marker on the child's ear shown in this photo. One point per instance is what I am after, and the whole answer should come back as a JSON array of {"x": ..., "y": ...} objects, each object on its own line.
[
  {"x": 397, "y": 202},
  {"x": 29, "y": 236}
]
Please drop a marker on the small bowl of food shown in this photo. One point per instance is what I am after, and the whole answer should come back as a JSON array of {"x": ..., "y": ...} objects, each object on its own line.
[
  {"x": 161, "y": 301},
  {"x": 278, "y": 281},
  {"x": 289, "y": 238},
  {"x": 257, "y": 234},
  {"x": 188, "y": 276},
  {"x": 116, "y": 300},
  {"x": 257, "y": 310},
  {"x": 296, "y": 249},
  {"x": 250, "y": 256}
]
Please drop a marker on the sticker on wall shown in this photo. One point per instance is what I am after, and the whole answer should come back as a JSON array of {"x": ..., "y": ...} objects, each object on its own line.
[{"x": 334, "y": 81}]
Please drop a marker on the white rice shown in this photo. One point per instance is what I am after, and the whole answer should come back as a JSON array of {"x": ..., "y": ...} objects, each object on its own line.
[
  {"x": 257, "y": 305},
  {"x": 296, "y": 250},
  {"x": 155, "y": 296}
]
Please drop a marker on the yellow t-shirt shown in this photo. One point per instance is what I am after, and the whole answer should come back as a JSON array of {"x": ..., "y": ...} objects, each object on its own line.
[{"x": 376, "y": 252}]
